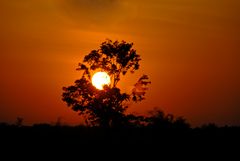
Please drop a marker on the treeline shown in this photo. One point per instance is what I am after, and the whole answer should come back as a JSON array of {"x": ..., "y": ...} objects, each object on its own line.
[
  {"x": 157, "y": 128},
  {"x": 152, "y": 139}
]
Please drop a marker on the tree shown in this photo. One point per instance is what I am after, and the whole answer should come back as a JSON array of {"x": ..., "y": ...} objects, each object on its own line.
[
  {"x": 19, "y": 121},
  {"x": 106, "y": 107},
  {"x": 160, "y": 120}
]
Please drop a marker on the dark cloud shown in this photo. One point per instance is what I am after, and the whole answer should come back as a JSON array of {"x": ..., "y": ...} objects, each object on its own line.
[
  {"x": 94, "y": 4},
  {"x": 91, "y": 11}
]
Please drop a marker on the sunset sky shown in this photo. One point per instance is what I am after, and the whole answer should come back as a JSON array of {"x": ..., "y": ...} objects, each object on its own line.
[{"x": 190, "y": 50}]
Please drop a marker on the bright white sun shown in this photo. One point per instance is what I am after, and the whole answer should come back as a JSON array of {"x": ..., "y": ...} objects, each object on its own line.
[{"x": 100, "y": 79}]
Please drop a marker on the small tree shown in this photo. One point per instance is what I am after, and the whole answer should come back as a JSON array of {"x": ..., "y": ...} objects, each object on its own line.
[
  {"x": 160, "y": 120},
  {"x": 106, "y": 107},
  {"x": 19, "y": 121}
]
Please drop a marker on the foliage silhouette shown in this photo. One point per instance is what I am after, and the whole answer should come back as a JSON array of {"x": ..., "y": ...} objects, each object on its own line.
[
  {"x": 19, "y": 121},
  {"x": 106, "y": 108},
  {"x": 160, "y": 120}
]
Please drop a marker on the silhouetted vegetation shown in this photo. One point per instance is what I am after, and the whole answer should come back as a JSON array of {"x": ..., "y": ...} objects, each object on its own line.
[
  {"x": 106, "y": 108},
  {"x": 159, "y": 130},
  {"x": 159, "y": 119},
  {"x": 152, "y": 136},
  {"x": 19, "y": 121}
]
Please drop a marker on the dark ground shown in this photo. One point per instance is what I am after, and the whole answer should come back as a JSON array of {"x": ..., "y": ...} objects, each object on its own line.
[{"x": 79, "y": 141}]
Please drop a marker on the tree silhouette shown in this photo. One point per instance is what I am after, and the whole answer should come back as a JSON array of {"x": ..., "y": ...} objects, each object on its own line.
[
  {"x": 106, "y": 108},
  {"x": 19, "y": 121},
  {"x": 159, "y": 119}
]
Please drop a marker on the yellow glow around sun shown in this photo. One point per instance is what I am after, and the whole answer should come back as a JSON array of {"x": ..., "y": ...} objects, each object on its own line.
[{"x": 100, "y": 79}]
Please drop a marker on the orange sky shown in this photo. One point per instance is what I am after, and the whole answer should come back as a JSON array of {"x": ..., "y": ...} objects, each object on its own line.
[{"x": 190, "y": 50}]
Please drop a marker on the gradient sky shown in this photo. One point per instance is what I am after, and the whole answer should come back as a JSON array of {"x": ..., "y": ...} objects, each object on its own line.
[{"x": 190, "y": 50}]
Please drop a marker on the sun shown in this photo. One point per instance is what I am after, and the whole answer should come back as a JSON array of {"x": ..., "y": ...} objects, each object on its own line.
[{"x": 100, "y": 79}]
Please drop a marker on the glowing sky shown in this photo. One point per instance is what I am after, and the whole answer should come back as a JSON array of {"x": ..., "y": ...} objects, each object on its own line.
[{"x": 190, "y": 50}]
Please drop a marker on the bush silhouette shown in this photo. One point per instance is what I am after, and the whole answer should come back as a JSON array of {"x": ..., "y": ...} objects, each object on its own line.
[
  {"x": 106, "y": 108},
  {"x": 159, "y": 119}
]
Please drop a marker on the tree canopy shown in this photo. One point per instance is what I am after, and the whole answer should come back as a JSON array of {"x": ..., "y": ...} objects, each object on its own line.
[{"x": 106, "y": 107}]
